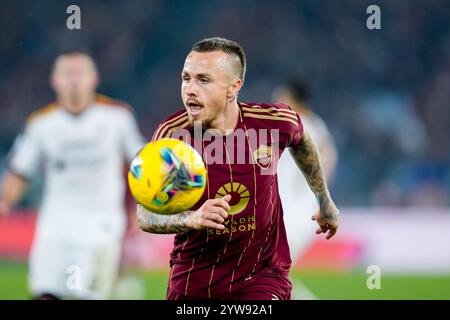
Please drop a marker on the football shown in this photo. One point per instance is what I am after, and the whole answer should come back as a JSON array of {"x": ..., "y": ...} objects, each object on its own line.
[{"x": 167, "y": 176}]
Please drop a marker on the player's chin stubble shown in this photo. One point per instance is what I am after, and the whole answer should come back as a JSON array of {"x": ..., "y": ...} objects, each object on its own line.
[
  {"x": 200, "y": 121},
  {"x": 195, "y": 123}
]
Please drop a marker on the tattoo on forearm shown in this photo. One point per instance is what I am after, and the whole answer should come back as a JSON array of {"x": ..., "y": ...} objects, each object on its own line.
[
  {"x": 159, "y": 223},
  {"x": 306, "y": 155}
]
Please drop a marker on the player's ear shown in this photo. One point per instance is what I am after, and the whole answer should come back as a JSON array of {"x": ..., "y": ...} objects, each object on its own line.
[{"x": 234, "y": 89}]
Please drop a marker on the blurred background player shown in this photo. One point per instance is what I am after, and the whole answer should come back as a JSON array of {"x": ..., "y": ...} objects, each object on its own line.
[
  {"x": 299, "y": 203},
  {"x": 81, "y": 142}
]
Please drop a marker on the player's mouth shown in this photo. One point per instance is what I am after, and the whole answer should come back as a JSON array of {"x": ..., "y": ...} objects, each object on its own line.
[{"x": 194, "y": 108}]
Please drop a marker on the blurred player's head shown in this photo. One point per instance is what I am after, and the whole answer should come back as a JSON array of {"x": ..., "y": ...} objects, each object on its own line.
[
  {"x": 74, "y": 80},
  {"x": 212, "y": 76},
  {"x": 295, "y": 93}
]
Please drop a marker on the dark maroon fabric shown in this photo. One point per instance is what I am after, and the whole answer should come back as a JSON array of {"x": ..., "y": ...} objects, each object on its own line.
[{"x": 249, "y": 259}]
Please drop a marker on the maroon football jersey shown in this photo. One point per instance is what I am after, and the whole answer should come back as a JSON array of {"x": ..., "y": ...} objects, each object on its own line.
[{"x": 218, "y": 264}]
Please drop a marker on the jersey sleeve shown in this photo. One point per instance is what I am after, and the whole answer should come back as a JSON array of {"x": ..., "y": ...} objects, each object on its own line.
[
  {"x": 297, "y": 133},
  {"x": 155, "y": 135},
  {"x": 132, "y": 139},
  {"x": 174, "y": 122},
  {"x": 26, "y": 155},
  {"x": 294, "y": 129}
]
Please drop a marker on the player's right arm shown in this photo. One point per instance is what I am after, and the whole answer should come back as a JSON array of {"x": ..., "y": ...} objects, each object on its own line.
[
  {"x": 12, "y": 188},
  {"x": 211, "y": 214},
  {"x": 25, "y": 160}
]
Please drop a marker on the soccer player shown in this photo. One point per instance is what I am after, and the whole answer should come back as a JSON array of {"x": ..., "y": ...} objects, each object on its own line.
[
  {"x": 299, "y": 202},
  {"x": 232, "y": 243},
  {"x": 81, "y": 143}
]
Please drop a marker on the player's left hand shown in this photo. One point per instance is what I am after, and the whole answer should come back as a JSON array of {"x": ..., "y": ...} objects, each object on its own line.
[{"x": 328, "y": 219}]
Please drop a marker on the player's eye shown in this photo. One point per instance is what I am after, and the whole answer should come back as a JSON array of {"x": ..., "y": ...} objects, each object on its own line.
[
  {"x": 186, "y": 78},
  {"x": 204, "y": 81}
]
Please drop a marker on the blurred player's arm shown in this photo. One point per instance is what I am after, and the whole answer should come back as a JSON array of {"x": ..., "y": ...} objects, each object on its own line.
[
  {"x": 132, "y": 138},
  {"x": 306, "y": 156},
  {"x": 211, "y": 214},
  {"x": 328, "y": 155},
  {"x": 24, "y": 161},
  {"x": 11, "y": 190}
]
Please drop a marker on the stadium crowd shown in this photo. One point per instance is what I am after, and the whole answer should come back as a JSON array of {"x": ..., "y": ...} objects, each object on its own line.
[{"x": 383, "y": 93}]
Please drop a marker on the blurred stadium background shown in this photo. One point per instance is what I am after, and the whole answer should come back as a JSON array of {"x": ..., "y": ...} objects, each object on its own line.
[{"x": 384, "y": 94}]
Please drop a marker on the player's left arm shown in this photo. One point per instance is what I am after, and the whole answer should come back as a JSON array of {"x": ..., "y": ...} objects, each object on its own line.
[
  {"x": 211, "y": 214},
  {"x": 306, "y": 155},
  {"x": 159, "y": 223}
]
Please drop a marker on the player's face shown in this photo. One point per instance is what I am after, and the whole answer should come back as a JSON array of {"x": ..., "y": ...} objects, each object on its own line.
[
  {"x": 74, "y": 80},
  {"x": 209, "y": 79}
]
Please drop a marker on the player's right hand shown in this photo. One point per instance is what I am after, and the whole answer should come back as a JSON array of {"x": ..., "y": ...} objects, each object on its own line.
[{"x": 211, "y": 214}]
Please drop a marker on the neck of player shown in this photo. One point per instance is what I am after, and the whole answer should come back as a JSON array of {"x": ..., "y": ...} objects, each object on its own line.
[
  {"x": 228, "y": 119},
  {"x": 75, "y": 105}
]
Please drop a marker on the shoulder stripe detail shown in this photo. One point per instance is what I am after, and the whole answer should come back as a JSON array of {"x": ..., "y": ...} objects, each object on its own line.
[
  {"x": 164, "y": 128},
  {"x": 263, "y": 116},
  {"x": 167, "y": 123},
  {"x": 168, "y": 134},
  {"x": 273, "y": 111},
  {"x": 105, "y": 100},
  {"x": 41, "y": 112},
  {"x": 258, "y": 107}
]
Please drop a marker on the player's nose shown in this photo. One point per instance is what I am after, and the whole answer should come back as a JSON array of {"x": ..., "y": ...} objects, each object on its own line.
[{"x": 191, "y": 89}]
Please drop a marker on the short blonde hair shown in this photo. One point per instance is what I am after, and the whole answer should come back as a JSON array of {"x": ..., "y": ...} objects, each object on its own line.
[{"x": 224, "y": 45}]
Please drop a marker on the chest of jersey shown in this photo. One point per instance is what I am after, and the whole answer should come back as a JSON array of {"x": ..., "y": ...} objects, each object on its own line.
[
  {"x": 83, "y": 143},
  {"x": 243, "y": 166}
]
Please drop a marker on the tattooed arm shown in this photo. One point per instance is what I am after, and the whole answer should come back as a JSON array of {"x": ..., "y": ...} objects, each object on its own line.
[
  {"x": 159, "y": 223},
  {"x": 211, "y": 214},
  {"x": 306, "y": 155}
]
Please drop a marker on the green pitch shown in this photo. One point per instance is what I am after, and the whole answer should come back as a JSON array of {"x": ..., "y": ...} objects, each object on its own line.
[{"x": 325, "y": 285}]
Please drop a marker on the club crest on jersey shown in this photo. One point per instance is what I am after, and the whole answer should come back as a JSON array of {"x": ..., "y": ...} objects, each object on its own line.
[{"x": 263, "y": 155}]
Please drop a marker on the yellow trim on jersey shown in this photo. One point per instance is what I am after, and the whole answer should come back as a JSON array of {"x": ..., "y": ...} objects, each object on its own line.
[
  {"x": 272, "y": 111},
  {"x": 108, "y": 101},
  {"x": 277, "y": 118},
  {"x": 168, "y": 124},
  {"x": 188, "y": 276},
  {"x": 41, "y": 112},
  {"x": 172, "y": 129}
]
